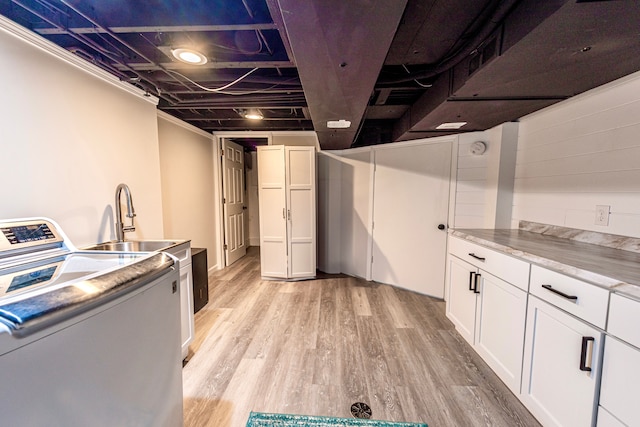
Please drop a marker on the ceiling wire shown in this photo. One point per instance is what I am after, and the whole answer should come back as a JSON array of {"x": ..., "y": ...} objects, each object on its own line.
[
  {"x": 219, "y": 89},
  {"x": 416, "y": 80}
]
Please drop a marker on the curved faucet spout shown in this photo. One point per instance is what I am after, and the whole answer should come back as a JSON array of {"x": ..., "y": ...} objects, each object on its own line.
[{"x": 120, "y": 227}]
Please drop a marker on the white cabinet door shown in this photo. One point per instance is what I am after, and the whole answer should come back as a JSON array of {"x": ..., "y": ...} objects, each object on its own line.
[
  {"x": 555, "y": 388},
  {"x": 187, "y": 328},
  {"x": 621, "y": 381},
  {"x": 500, "y": 328},
  {"x": 605, "y": 419},
  {"x": 273, "y": 211},
  {"x": 461, "y": 299},
  {"x": 301, "y": 208},
  {"x": 287, "y": 200}
]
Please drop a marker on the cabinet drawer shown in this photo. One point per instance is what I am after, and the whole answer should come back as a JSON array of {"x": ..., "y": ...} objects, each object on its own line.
[
  {"x": 624, "y": 318},
  {"x": 574, "y": 296},
  {"x": 507, "y": 268}
]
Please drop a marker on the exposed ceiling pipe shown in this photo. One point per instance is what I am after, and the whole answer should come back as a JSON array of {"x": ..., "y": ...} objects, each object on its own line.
[
  {"x": 141, "y": 81},
  {"x": 115, "y": 37},
  {"x": 496, "y": 19},
  {"x": 258, "y": 32}
]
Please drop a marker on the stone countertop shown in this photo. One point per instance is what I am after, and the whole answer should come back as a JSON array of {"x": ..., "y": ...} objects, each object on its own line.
[{"x": 615, "y": 269}]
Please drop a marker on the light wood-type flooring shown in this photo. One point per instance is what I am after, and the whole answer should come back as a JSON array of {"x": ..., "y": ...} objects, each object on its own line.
[{"x": 315, "y": 347}]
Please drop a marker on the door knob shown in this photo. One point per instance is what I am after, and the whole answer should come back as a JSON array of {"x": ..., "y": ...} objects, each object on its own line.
[{"x": 441, "y": 227}]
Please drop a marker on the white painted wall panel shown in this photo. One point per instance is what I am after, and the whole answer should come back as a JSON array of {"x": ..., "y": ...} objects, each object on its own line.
[
  {"x": 253, "y": 217},
  {"x": 581, "y": 153},
  {"x": 471, "y": 183},
  {"x": 187, "y": 167},
  {"x": 329, "y": 212},
  {"x": 356, "y": 205},
  {"x": 68, "y": 139}
]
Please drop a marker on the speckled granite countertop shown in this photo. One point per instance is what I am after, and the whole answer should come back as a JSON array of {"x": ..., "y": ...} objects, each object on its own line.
[{"x": 615, "y": 269}]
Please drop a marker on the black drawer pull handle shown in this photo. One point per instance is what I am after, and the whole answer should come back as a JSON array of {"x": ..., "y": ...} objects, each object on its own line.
[
  {"x": 479, "y": 258},
  {"x": 585, "y": 354},
  {"x": 475, "y": 285},
  {"x": 562, "y": 294},
  {"x": 471, "y": 273}
]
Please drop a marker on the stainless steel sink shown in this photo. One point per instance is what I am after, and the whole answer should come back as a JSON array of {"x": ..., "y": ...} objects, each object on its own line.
[{"x": 134, "y": 246}]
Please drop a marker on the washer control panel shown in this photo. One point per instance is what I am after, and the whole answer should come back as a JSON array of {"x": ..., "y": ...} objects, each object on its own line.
[{"x": 27, "y": 235}]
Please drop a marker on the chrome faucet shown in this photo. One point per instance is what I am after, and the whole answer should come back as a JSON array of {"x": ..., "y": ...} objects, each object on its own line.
[{"x": 120, "y": 227}]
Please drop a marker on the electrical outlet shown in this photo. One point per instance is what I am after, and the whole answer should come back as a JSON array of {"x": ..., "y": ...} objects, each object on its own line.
[{"x": 602, "y": 214}]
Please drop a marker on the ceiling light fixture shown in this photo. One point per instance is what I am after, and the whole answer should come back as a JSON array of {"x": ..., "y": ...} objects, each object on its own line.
[
  {"x": 451, "y": 125},
  {"x": 252, "y": 114},
  {"x": 338, "y": 124},
  {"x": 189, "y": 56}
]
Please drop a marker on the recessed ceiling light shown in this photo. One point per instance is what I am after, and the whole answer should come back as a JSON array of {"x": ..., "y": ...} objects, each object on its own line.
[
  {"x": 189, "y": 56},
  {"x": 252, "y": 114},
  {"x": 451, "y": 125}
]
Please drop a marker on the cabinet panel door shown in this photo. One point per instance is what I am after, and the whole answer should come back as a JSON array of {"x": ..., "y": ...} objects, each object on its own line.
[
  {"x": 605, "y": 419},
  {"x": 301, "y": 209},
  {"x": 461, "y": 301},
  {"x": 554, "y": 388},
  {"x": 187, "y": 329},
  {"x": 273, "y": 215},
  {"x": 502, "y": 312},
  {"x": 621, "y": 381}
]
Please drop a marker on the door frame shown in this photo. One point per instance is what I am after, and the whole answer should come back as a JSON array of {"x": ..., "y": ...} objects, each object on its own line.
[{"x": 217, "y": 185}]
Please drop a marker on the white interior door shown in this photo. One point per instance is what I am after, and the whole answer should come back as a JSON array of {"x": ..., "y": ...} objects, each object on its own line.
[
  {"x": 301, "y": 176},
  {"x": 411, "y": 198},
  {"x": 233, "y": 193},
  {"x": 273, "y": 211}
]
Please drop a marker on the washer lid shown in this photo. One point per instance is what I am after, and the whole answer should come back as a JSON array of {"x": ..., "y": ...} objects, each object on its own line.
[{"x": 38, "y": 294}]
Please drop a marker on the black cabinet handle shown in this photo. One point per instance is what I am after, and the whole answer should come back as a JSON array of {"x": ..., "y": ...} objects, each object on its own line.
[
  {"x": 441, "y": 226},
  {"x": 586, "y": 343},
  {"x": 477, "y": 257},
  {"x": 475, "y": 284},
  {"x": 562, "y": 294},
  {"x": 471, "y": 273}
]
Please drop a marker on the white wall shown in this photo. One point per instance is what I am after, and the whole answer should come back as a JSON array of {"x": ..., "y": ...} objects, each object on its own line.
[
  {"x": 68, "y": 138},
  {"x": 329, "y": 212},
  {"x": 580, "y": 153},
  {"x": 484, "y": 184},
  {"x": 470, "y": 198},
  {"x": 356, "y": 207},
  {"x": 253, "y": 209},
  {"x": 187, "y": 170}
]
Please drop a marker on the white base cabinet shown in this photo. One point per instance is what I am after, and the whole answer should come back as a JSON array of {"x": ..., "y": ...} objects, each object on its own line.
[
  {"x": 187, "y": 328},
  {"x": 561, "y": 366},
  {"x": 579, "y": 362},
  {"x": 487, "y": 311},
  {"x": 620, "y": 386}
]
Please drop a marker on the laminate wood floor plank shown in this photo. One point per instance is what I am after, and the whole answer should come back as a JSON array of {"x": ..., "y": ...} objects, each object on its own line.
[{"x": 315, "y": 347}]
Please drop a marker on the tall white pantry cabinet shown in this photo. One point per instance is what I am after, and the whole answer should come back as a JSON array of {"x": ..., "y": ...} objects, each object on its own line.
[{"x": 287, "y": 201}]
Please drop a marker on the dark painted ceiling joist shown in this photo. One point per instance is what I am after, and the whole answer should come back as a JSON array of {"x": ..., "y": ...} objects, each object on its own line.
[{"x": 339, "y": 48}]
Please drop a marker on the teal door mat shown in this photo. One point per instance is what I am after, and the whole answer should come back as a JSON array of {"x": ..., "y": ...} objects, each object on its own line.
[{"x": 263, "y": 419}]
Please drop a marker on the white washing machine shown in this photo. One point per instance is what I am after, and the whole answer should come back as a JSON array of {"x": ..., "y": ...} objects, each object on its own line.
[{"x": 86, "y": 338}]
